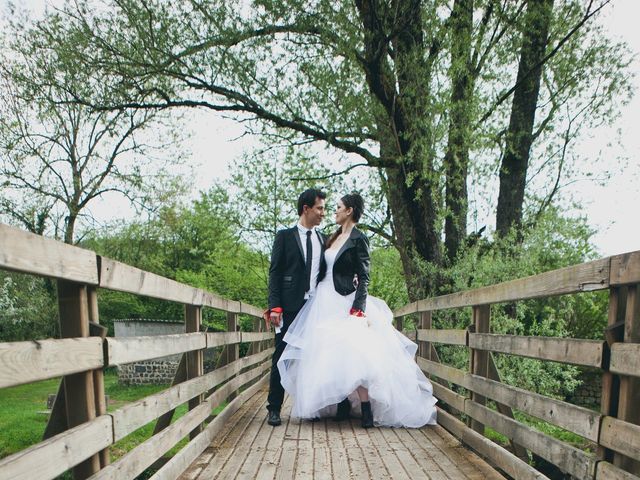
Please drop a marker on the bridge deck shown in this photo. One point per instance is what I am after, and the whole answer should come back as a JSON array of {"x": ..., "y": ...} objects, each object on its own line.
[{"x": 249, "y": 448}]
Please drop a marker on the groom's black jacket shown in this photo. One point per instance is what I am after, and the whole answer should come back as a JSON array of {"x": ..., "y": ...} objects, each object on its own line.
[
  {"x": 352, "y": 262},
  {"x": 287, "y": 272}
]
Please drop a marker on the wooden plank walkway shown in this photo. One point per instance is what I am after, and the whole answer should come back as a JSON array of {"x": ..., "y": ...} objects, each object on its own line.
[{"x": 248, "y": 448}]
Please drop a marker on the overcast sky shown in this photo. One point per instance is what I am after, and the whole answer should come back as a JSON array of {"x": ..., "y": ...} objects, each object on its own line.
[{"x": 612, "y": 209}]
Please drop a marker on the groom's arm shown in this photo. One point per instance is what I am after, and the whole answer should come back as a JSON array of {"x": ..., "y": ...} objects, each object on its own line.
[{"x": 275, "y": 271}]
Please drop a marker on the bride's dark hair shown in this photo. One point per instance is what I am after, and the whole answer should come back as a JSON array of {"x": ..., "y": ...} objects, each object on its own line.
[{"x": 350, "y": 200}]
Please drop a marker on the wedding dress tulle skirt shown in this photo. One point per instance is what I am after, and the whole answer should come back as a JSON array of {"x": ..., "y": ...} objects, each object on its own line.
[{"x": 329, "y": 354}]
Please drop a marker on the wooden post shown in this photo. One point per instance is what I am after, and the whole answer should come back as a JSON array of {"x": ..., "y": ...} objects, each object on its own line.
[
  {"x": 424, "y": 348},
  {"x": 480, "y": 358},
  {"x": 494, "y": 374},
  {"x": 399, "y": 321},
  {"x": 255, "y": 346},
  {"x": 611, "y": 382},
  {"x": 232, "y": 352},
  {"x": 181, "y": 375},
  {"x": 98, "y": 374},
  {"x": 195, "y": 359},
  {"x": 629, "y": 397},
  {"x": 78, "y": 387}
]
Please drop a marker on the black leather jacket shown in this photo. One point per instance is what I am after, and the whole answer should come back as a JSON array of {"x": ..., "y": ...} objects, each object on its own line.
[{"x": 352, "y": 262}]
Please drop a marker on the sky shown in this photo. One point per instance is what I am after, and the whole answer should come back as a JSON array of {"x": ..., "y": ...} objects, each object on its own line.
[{"x": 216, "y": 143}]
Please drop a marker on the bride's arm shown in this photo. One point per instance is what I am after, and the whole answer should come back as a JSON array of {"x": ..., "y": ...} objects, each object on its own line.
[{"x": 363, "y": 262}]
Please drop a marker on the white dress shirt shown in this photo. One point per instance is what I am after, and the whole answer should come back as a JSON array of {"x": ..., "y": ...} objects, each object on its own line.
[{"x": 315, "y": 260}]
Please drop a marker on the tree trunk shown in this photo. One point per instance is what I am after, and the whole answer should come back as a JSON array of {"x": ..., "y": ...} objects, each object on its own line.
[
  {"x": 406, "y": 144},
  {"x": 456, "y": 159},
  {"x": 70, "y": 225},
  {"x": 513, "y": 169}
]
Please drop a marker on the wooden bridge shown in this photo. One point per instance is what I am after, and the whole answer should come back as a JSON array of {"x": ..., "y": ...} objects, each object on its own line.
[{"x": 237, "y": 443}]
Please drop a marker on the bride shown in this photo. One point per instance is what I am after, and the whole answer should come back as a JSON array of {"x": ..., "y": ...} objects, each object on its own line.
[{"x": 338, "y": 354}]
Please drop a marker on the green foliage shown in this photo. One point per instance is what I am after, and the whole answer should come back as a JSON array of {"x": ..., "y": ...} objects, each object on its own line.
[
  {"x": 554, "y": 242},
  {"x": 28, "y": 307},
  {"x": 198, "y": 245},
  {"x": 387, "y": 277}
]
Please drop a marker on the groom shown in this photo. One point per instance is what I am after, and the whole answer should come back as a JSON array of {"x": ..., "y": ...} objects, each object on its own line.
[{"x": 295, "y": 263}]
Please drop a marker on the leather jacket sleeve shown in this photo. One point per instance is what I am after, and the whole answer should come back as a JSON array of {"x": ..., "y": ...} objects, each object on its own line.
[
  {"x": 363, "y": 263},
  {"x": 275, "y": 271}
]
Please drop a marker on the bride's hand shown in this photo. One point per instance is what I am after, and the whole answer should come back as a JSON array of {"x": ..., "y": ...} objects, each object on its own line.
[{"x": 359, "y": 315}]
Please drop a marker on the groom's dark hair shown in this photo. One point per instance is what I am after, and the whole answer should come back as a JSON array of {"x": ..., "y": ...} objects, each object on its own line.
[{"x": 308, "y": 198}]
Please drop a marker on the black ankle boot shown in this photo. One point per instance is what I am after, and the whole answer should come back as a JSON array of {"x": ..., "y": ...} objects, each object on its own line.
[
  {"x": 367, "y": 415},
  {"x": 344, "y": 408}
]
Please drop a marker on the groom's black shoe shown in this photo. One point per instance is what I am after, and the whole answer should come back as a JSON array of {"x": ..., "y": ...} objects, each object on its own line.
[
  {"x": 344, "y": 408},
  {"x": 273, "y": 418}
]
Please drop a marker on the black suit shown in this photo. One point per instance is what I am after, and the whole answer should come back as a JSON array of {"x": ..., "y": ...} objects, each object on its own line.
[
  {"x": 287, "y": 280},
  {"x": 351, "y": 269}
]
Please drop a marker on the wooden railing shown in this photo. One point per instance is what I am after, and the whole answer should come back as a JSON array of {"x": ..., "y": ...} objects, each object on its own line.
[
  {"x": 80, "y": 429},
  {"x": 615, "y": 430}
]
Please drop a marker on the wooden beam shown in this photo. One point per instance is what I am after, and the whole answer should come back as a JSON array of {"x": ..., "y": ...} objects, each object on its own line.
[
  {"x": 448, "y": 396},
  {"x": 564, "y": 350},
  {"x": 445, "y": 372},
  {"x": 133, "y": 349},
  {"x": 79, "y": 389},
  {"x": 579, "y": 420},
  {"x": 218, "y": 339},
  {"x": 134, "y": 462},
  {"x": 406, "y": 310},
  {"x": 34, "y": 254},
  {"x": 26, "y": 362},
  {"x": 247, "y": 309},
  {"x": 577, "y": 278},
  {"x": 187, "y": 455},
  {"x": 567, "y": 458},
  {"x": 512, "y": 465},
  {"x": 124, "y": 278},
  {"x": 58, "y": 454},
  {"x": 254, "y": 336},
  {"x": 136, "y": 414},
  {"x": 449, "y": 337}
]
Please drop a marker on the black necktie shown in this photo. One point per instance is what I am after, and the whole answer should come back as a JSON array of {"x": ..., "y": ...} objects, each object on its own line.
[{"x": 308, "y": 261}]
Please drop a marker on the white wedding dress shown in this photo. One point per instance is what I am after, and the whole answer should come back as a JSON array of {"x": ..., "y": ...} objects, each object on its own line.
[{"x": 330, "y": 353}]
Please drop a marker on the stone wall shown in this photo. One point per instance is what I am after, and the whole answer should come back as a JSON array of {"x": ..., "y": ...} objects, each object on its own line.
[
  {"x": 149, "y": 372},
  {"x": 590, "y": 392}
]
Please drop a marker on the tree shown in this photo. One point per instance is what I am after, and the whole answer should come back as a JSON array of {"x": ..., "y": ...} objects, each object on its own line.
[
  {"x": 418, "y": 90},
  {"x": 56, "y": 156}
]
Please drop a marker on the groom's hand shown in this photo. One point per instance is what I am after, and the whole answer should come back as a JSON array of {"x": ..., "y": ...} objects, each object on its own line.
[{"x": 275, "y": 317}]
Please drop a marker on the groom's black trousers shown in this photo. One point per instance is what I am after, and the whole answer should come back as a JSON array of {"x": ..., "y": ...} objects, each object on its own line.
[{"x": 276, "y": 392}]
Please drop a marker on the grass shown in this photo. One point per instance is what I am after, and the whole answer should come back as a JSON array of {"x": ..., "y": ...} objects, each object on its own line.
[{"x": 23, "y": 414}]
